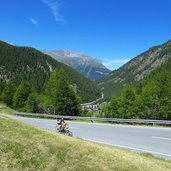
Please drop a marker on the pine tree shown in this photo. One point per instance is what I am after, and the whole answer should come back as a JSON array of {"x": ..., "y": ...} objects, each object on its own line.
[
  {"x": 128, "y": 108},
  {"x": 112, "y": 109},
  {"x": 2, "y": 86},
  {"x": 157, "y": 98},
  {"x": 21, "y": 95},
  {"x": 163, "y": 96},
  {"x": 61, "y": 98},
  {"x": 32, "y": 103},
  {"x": 51, "y": 92},
  {"x": 8, "y": 93}
]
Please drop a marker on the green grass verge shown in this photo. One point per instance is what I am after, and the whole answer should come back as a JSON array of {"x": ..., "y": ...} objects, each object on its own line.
[
  {"x": 24, "y": 147},
  {"x": 5, "y": 109}
]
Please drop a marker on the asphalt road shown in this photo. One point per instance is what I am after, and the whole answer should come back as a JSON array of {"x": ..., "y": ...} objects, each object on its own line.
[{"x": 154, "y": 140}]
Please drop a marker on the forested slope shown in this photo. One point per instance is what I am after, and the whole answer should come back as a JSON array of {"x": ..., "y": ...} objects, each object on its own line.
[
  {"x": 149, "y": 99},
  {"x": 136, "y": 70},
  {"x": 19, "y": 64}
]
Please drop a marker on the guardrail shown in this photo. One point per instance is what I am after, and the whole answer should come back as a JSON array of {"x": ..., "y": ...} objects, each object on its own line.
[{"x": 140, "y": 121}]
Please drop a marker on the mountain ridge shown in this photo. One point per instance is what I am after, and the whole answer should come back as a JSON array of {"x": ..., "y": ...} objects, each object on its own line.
[
  {"x": 28, "y": 64},
  {"x": 84, "y": 64},
  {"x": 136, "y": 69}
]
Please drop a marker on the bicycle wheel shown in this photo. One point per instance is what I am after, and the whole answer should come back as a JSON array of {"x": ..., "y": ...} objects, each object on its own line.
[{"x": 57, "y": 129}]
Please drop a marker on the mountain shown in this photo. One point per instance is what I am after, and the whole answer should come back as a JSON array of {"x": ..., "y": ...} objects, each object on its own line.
[
  {"x": 136, "y": 70},
  {"x": 163, "y": 70},
  {"x": 87, "y": 66},
  {"x": 26, "y": 63}
]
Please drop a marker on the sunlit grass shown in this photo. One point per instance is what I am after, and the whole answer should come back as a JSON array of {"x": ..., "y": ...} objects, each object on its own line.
[
  {"x": 24, "y": 147},
  {"x": 5, "y": 109}
]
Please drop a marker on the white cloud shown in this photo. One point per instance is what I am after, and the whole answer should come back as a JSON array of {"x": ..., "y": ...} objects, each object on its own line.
[
  {"x": 54, "y": 6},
  {"x": 34, "y": 22},
  {"x": 116, "y": 63}
]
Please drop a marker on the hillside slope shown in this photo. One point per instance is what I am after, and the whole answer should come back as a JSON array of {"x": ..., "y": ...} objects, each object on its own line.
[
  {"x": 163, "y": 70},
  {"x": 25, "y": 63},
  {"x": 136, "y": 70},
  {"x": 87, "y": 66}
]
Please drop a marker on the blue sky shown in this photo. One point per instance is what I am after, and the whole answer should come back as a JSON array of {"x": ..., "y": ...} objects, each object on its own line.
[{"x": 113, "y": 31}]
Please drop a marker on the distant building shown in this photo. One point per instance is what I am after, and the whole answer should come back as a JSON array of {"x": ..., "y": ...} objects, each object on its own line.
[{"x": 90, "y": 107}]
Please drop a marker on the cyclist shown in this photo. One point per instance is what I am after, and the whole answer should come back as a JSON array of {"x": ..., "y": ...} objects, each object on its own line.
[{"x": 62, "y": 124}]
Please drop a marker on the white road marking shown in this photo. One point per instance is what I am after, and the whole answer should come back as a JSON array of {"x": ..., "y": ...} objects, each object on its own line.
[
  {"x": 162, "y": 138},
  {"x": 131, "y": 148}
]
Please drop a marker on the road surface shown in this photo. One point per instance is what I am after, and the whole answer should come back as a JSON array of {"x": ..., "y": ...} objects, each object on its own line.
[{"x": 154, "y": 140}]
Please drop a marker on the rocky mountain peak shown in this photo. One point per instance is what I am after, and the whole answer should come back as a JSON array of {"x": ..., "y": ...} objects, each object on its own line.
[{"x": 86, "y": 65}]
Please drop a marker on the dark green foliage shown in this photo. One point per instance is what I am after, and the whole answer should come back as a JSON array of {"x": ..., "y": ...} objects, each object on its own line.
[
  {"x": 8, "y": 93},
  {"x": 112, "y": 109},
  {"x": 157, "y": 97},
  {"x": 2, "y": 86},
  {"x": 157, "y": 90},
  {"x": 61, "y": 98},
  {"x": 21, "y": 95},
  {"x": 128, "y": 103},
  {"x": 126, "y": 106},
  {"x": 32, "y": 103},
  {"x": 151, "y": 100},
  {"x": 27, "y": 64}
]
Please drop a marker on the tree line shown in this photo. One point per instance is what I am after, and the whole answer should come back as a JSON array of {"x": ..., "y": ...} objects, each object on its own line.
[
  {"x": 58, "y": 97},
  {"x": 148, "y": 100}
]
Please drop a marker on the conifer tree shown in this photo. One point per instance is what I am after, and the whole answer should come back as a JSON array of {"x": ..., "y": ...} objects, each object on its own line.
[
  {"x": 32, "y": 103},
  {"x": 128, "y": 103},
  {"x": 61, "y": 98},
  {"x": 2, "y": 86},
  {"x": 163, "y": 95},
  {"x": 21, "y": 95},
  {"x": 157, "y": 97},
  {"x": 112, "y": 109},
  {"x": 8, "y": 93}
]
